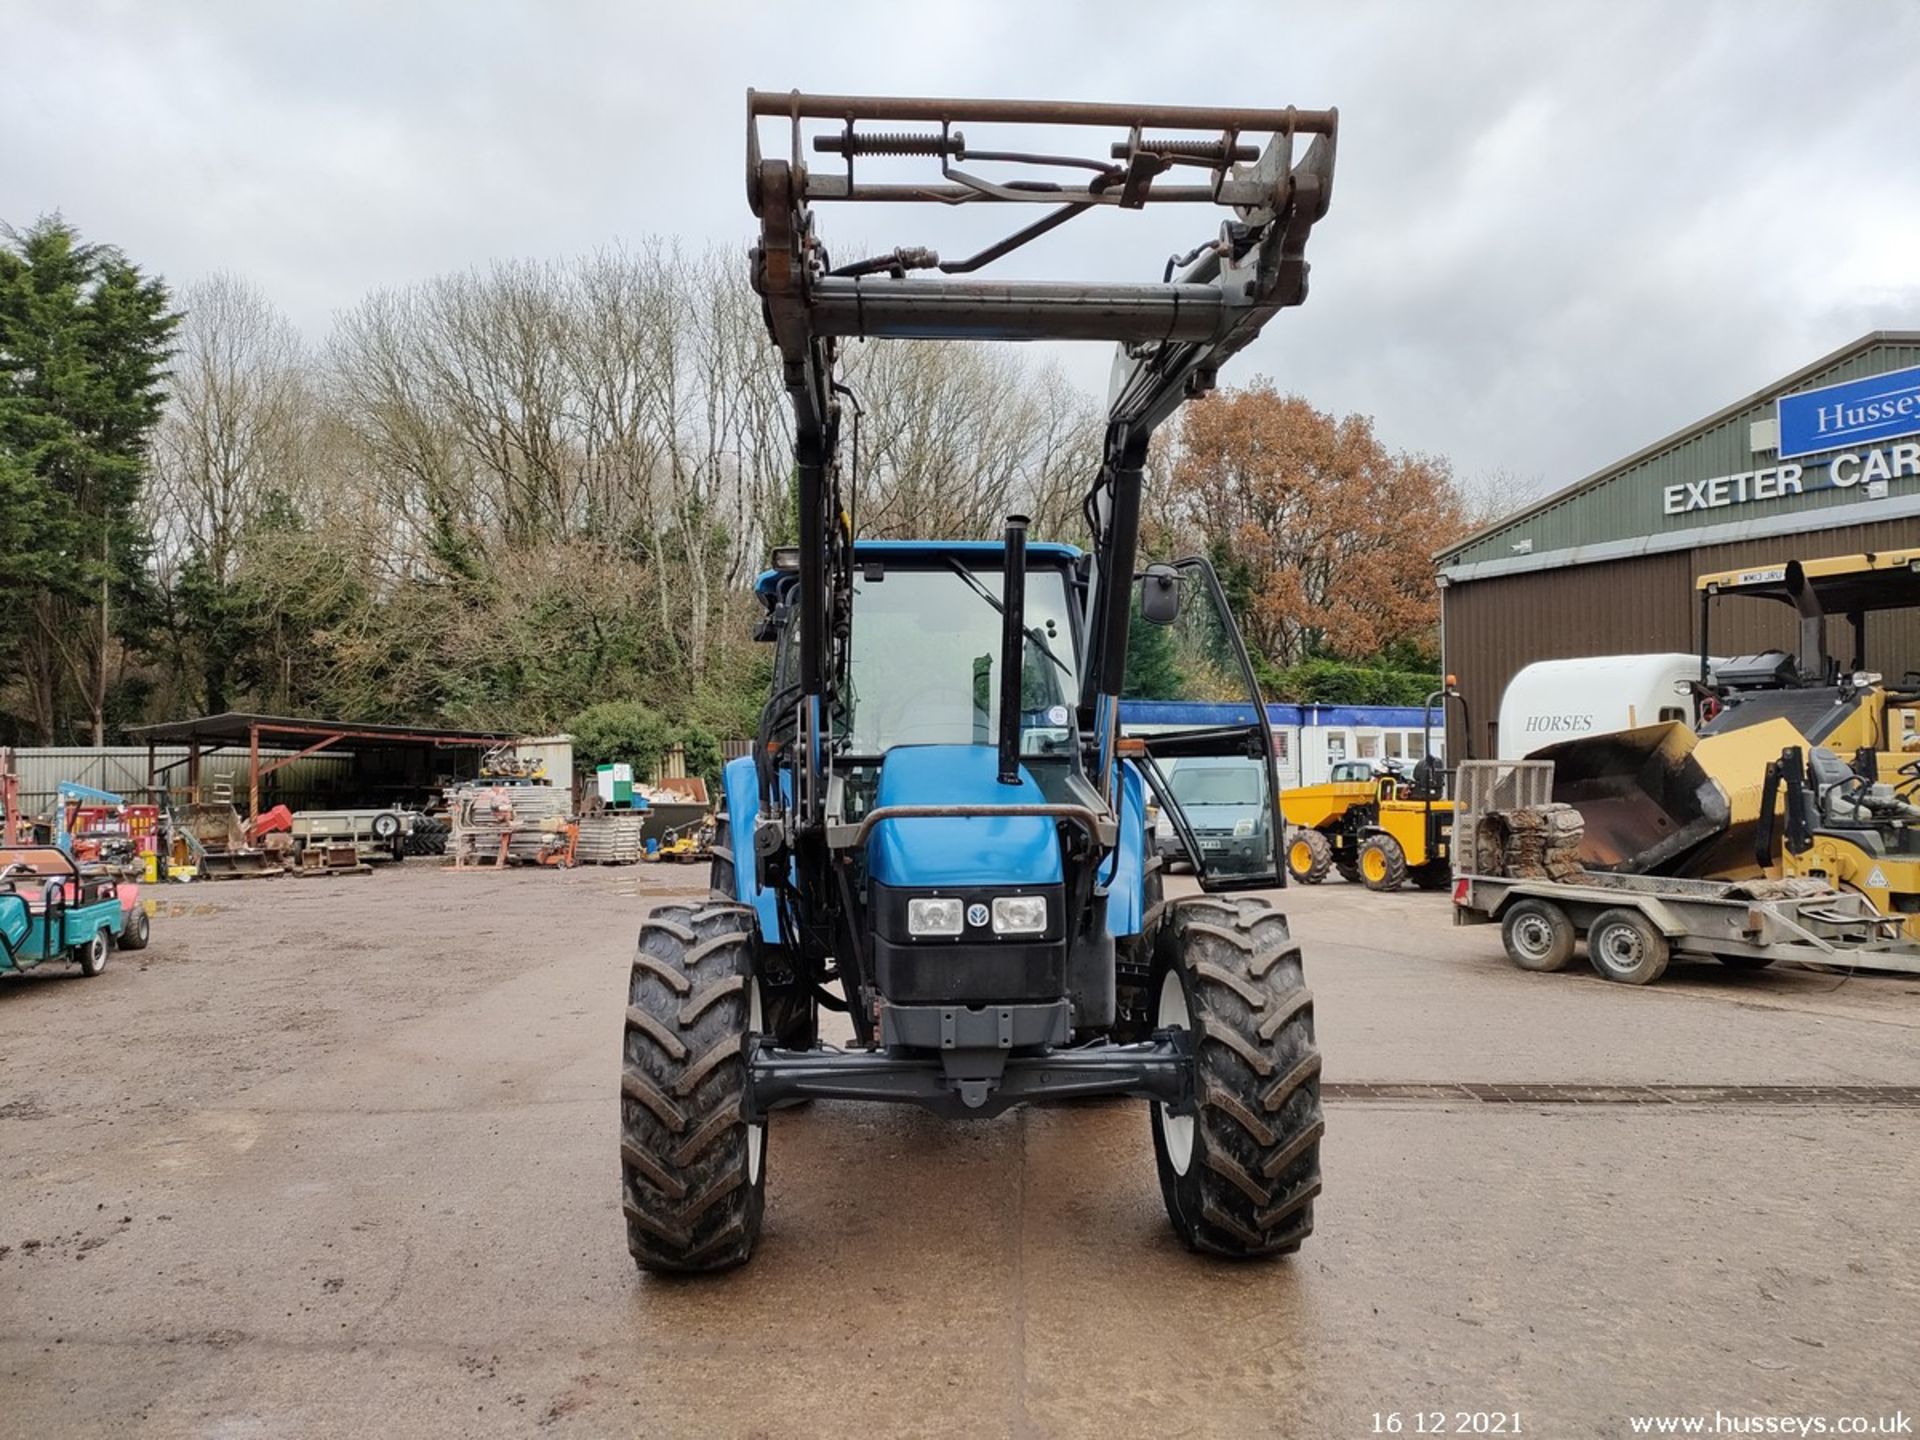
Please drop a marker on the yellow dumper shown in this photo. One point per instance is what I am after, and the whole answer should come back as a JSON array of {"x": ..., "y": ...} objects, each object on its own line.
[{"x": 1381, "y": 832}]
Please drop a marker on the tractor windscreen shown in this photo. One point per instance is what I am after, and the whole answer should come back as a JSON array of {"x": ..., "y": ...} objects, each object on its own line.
[{"x": 925, "y": 659}]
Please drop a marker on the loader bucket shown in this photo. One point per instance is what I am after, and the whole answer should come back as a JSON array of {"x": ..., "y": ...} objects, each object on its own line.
[{"x": 1646, "y": 800}]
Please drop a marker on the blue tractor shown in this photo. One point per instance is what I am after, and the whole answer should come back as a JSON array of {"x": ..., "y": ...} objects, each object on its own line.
[{"x": 942, "y": 831}]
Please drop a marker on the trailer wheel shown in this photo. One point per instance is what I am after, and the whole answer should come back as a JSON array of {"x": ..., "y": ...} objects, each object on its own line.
[
  {"x": 92, "y": 956},
  {"x": 1309, "y": 856},
  {"x": 1240, "y": 1173},
  {"x": 135, "y": 930},
  {"x": 1383, "y": 864},
  {"x": 1538, "y": 935},
  {"x": 385, "y": 827},
  {"x": 693, "y": 1170},
  {"x": 1745, "y": 962},
  {"x": 1624, "y": 945}
]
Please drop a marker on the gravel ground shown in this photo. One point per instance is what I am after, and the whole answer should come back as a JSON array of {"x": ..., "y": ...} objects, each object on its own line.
[{"x": 337, "y": 1157}]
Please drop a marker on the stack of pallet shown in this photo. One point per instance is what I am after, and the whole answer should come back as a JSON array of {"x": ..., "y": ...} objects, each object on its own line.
[
  {"x": 611, "y": 838},
  {"x": 532, "y": 821}
]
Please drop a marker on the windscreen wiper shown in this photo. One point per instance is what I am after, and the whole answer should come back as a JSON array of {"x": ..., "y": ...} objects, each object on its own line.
[{"x": 992, "y": 599}]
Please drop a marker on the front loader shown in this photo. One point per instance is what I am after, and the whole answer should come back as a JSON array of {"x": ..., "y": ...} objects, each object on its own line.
[{"x": 941, "y": 831}]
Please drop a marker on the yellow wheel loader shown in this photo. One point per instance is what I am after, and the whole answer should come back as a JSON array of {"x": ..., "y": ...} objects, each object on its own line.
[
  {"x": 1801, "y": 768},
  {"x": 1380, "y": 832}
]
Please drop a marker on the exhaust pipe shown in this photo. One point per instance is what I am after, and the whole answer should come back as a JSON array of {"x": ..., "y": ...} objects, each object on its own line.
[
  {"x": 1812, "y": 659},
  {"x": 1013, "y": 646}
]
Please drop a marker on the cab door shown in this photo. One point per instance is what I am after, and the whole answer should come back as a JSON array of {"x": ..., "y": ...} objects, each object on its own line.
[{"x": 1214, "y": 779}]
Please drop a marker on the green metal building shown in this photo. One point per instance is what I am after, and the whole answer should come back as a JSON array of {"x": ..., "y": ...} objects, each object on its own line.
[{"x": 1824, "y": 462}]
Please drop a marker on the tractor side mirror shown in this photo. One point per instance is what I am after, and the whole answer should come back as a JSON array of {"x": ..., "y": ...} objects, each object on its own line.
[{"x": 1160, "y": 595}]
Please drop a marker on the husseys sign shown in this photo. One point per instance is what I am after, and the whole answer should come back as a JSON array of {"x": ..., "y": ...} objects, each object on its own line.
[
  {"x": 1859, "y": 412},
  {"x": 1843, "y": 422}
]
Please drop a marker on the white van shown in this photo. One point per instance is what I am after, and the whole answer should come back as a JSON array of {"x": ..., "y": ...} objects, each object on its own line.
[{"x": 1554, "y": 700}]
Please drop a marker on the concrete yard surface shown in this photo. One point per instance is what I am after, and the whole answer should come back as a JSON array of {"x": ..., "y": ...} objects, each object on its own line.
[{"x": 338, "y": 1157}]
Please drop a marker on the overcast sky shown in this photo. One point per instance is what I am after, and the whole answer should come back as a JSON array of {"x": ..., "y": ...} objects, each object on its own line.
[{"x": 1559, "y": 230}]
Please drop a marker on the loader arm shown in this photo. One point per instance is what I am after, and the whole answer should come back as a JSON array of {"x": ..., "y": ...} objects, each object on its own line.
[{"x": 1171, "y": 335}]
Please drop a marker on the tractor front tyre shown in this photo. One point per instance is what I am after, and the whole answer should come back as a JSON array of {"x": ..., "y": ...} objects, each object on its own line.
[
  {"x": 1309, "y": 856},
  {"x": 1239, "y": 1173},
  {"x": 793, "y": 1014},
  {"x": 693, "y": 1170}
]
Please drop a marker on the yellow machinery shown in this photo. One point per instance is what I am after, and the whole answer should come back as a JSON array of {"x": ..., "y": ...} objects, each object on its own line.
[
  {"x": 1801, "y": 768},
  {"x": 1381, "y": 832}
]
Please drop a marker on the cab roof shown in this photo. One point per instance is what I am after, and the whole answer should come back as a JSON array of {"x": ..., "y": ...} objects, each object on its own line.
[
  {"x": 767, "y": 587},
  {"x": 1843, "y": 584}
]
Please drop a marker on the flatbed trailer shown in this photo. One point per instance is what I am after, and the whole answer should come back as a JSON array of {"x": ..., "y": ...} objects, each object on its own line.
[{"x": 1633, "y": 924}]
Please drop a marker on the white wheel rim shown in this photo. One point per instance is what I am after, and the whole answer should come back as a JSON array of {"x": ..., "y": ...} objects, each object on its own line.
[
  {"x": 1533, "y": 937},
  {"x": 1617, "y": 948},
  {"x": 755, "y": 1021},
  {"x": 1177, "y": 1130}
]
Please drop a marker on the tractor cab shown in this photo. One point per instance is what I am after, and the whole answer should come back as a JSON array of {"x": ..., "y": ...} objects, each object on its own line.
[{"x": 987, "y": 860}]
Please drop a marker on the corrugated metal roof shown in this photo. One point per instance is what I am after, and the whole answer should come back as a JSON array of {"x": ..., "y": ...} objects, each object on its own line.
[
  {"x": 234, "y": 727},
  {"x": 1625, "y": 500}
]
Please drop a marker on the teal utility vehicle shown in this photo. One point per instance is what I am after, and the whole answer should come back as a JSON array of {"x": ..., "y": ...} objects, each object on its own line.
[{"x": 54, "y": 909}]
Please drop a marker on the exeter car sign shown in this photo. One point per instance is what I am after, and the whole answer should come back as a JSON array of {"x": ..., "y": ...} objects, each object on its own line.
[{"x": 1856, "y": 413}]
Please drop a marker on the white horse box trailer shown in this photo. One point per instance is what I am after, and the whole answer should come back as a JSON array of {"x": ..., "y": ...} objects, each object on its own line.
[{"x": 1554, "y": 700}]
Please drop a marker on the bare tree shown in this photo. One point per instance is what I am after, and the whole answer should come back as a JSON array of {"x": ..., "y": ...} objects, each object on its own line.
[{"x": 233, "y": 439}]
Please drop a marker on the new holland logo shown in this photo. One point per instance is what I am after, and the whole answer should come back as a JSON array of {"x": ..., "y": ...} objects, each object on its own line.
[{"x": 1878, "y": 879}]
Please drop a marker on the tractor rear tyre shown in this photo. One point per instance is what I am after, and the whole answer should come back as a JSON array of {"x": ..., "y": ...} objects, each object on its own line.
[
  {"x": 1383, "y": 864},
  {"x": 1309, "y": 856},
  {"x": 1347, "y": 871},
  {"x": 1434, "y": 875},
  {"x": 1624, "y": 945},
  {"x": 1240, "y": 1173},
  {"x": 1538, "y": 935},
  {"x": 428, "y": 836},
  {"x": 1133, "y": 961},
  {"x": 92, "y": 954},
  {"x": 693, "y": 1170},
  {"x": 793, "y": 1014}
]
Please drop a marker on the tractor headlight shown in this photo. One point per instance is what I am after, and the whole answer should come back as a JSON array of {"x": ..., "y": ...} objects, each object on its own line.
[
  {"x": 1019, "y": 914},
  {"x": 934, "y": 917},
  {"x": 1242, "y": 829}
]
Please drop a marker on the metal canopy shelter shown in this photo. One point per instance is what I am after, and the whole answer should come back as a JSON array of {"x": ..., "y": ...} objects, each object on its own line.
[{"x": 208, "y": 733}]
